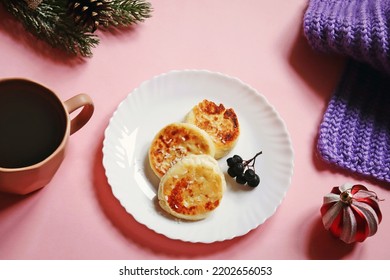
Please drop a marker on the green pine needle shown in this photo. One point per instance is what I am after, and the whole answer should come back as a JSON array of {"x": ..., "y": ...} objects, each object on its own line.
[
  {"x": 126, "y": 12},
  {"x": 51, "y": 23}
]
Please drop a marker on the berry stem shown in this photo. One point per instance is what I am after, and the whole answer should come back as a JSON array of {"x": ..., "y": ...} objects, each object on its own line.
[{"x": 253, "y": 159}]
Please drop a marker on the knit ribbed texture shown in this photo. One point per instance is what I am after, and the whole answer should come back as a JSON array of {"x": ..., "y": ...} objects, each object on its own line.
[
  {"x": 355, "y": 130},
  {"x": 356, "y": 28}
]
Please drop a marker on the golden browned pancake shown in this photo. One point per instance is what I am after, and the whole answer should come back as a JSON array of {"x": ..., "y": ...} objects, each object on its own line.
[
  {"x": 220, "y": 123},
  {"x": 176, "y": 141},
  {"x": 192, "y": 188}
]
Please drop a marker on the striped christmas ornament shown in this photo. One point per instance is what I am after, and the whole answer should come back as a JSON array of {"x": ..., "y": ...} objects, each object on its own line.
[{"x": 351, "y": 212}]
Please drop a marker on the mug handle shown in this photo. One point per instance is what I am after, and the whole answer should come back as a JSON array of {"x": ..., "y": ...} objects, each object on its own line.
[{"x": 76, "y": 102}]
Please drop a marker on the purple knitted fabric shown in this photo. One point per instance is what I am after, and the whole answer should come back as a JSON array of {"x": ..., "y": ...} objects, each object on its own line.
[
  {"x": 356, "y": 28},
  {"x": 355, "y": 130}
]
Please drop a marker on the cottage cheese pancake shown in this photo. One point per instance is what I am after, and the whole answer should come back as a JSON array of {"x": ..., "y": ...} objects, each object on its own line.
[
  {"x": 192, "y": 188},
  {"x": 175, "y": 141},
  {"x": 220, "y": 123}
]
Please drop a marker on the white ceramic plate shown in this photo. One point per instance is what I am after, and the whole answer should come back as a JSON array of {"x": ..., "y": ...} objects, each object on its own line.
[{"x": 167, "y": 98}]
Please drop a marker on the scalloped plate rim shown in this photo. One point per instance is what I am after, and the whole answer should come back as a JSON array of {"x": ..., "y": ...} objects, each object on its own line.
[{"x": 115, "y": 190}]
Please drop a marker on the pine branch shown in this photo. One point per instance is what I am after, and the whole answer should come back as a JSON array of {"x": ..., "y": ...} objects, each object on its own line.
[
  {"x": 50, "y": 23},
  {"x": 128, "y": 12}
]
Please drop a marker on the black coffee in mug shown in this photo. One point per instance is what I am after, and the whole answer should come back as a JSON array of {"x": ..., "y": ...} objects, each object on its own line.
[
  {"x": 35, "y": 126},
  {"x": 32, "y": 124}
]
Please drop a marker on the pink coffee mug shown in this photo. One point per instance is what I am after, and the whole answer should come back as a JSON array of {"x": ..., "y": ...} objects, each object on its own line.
[{"x": 35, "y": 126}]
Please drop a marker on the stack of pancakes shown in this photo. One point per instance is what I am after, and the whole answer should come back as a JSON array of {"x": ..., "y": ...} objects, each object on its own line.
[{"x": 183, "y": 156}]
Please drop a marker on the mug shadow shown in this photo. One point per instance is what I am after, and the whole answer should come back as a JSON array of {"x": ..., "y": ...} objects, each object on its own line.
[
  {"x": 139, "y": 233},
  {"x": 9, "y": 200}
]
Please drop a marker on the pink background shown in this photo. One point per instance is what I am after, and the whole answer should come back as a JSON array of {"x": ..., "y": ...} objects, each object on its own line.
[{"x": 76, "y": 215}]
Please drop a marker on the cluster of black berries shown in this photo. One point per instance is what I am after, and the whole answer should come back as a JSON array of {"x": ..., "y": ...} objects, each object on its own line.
[{"x": 243, "y": 170}]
